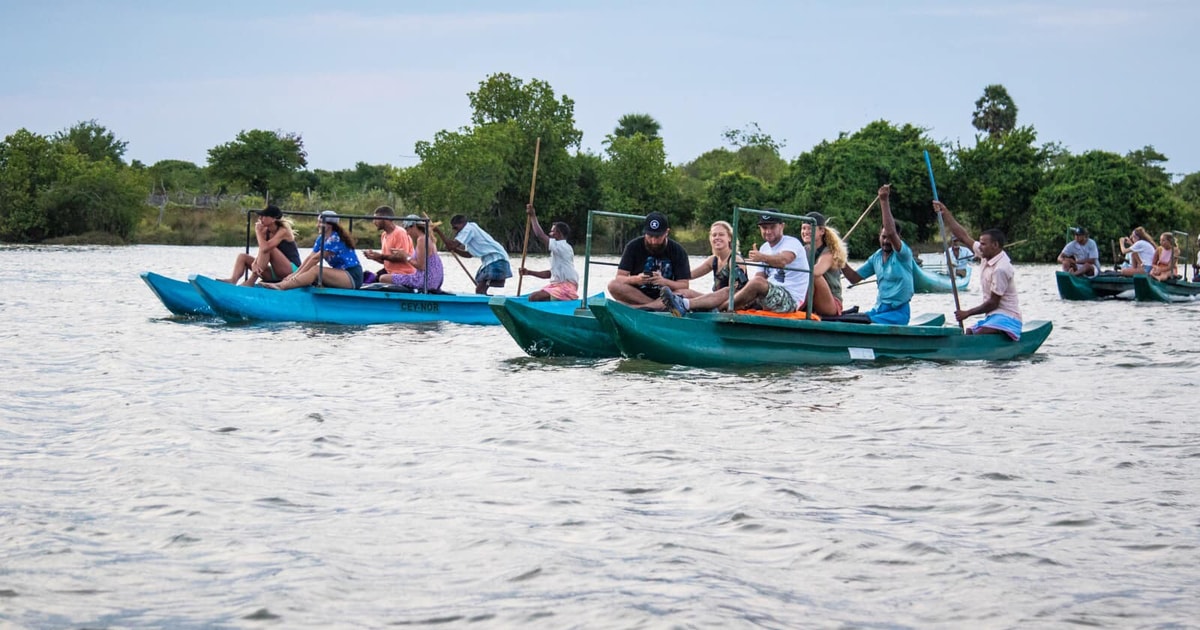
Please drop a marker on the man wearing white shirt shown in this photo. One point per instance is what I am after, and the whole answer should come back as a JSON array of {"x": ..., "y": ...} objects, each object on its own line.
[{"x": 780, "y": 287}]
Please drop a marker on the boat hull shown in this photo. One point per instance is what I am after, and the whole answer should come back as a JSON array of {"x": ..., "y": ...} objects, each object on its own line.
[
  {"x": 1147, "y": 289},
  {"x": 1103, "y": 286},
  {"x": 733, "y": 340},
  {"x": 354, "y": 307},
  {"x": 543, "y": 332},
  {"x": 925, "y": 281},
  {"x": 178, "y": 296}
]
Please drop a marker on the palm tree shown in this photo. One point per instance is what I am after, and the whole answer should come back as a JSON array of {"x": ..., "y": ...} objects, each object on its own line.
[
  {"x": 631, "y": 124},
  {"x": 995, "y": 112}
]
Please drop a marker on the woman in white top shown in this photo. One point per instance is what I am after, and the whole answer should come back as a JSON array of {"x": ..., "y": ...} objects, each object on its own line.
[
  {"x": 564, "y": 281},
  {"x": 1141, "y": 246}
]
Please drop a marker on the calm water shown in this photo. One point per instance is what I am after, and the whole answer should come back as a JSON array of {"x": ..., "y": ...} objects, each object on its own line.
[{"x": 167, "y": 473}]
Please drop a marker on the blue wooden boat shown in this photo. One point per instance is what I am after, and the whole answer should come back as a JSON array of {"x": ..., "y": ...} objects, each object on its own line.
[
  {"x": 937, "y": 280},
  {"x": 542, "y": 332},
  {"x": 320, "y": 305},
  {"x": 739, "y": 340},
  {"x": 178, "y": 296}
]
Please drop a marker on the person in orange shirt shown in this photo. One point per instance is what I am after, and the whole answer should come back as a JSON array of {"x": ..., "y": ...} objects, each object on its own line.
[{"x": 396, "y": 246}]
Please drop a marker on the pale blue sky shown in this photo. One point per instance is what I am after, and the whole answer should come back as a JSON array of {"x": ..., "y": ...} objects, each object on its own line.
[{"x": 362, "y": 80}]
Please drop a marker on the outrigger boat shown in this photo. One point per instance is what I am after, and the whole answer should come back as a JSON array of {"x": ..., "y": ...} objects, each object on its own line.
[
  {"x": 740, "y": 340},
  {"x": 574, "y": 333},
  {"x": 937, "y": 280},
  {"x": 1147, "y": 289},
  {"x": 324, "y": 305},
  {"x": 178, "y": 296},
  {"x": 730, "y": 339},
  {"x": 1140, "y": 287}
]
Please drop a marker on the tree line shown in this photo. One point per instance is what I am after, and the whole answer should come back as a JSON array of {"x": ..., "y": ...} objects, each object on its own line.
[{"x": 76, "y": 181}]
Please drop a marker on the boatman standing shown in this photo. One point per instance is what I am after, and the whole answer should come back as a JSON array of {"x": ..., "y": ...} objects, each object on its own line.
[
  {"x": 470, "y": 240},
  {"x": 997, "y": 277}
]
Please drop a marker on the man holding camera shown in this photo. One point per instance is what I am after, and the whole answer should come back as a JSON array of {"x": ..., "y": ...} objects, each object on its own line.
[{"x": 649, "y": 263}]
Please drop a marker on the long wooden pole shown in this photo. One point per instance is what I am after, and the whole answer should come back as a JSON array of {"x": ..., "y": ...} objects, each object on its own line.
[
  {"x": 945, "y": 244},
  {"x": 446, "y": 244},
  {"x": 860, "y": 218},
  {"x": 532, "y": 187}
]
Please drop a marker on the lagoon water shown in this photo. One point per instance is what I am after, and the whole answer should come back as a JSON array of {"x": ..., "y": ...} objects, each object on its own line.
[{"x": 159, "y": 472}]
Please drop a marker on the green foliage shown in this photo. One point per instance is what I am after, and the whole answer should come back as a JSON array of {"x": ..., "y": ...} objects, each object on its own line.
[
  {"x": 840, "y": 178},
  {"x": 631, "y": 124},
  {"x": 1101, "y": 191},
  {"x": 994, "y": 182},
  {"x": 732, "y": 190},
  {"x": 49, "y": 190},
  {"x": 29, "y": 163},
  {"x": 995, "y": 112},
  {"x": 262, "y": 161},
  {"x": 752, "y": 136},
  {"x": 462, "y": 171},
  {"x": 503, "y": 98},
  {"x": 93, "y": 141},
  {"x": 179, "y": 175},
  {"x": 93, "y": 196},
  {"x": 638, "y": 180}
]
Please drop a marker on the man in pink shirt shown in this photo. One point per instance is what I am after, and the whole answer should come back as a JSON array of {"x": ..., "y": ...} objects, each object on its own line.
[
  {"x": 997, "y": 277},
  {"x": 396, "y": 247}
]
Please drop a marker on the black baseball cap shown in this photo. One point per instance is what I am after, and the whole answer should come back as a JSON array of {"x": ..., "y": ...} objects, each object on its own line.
[{"x": 656, "y": 224}]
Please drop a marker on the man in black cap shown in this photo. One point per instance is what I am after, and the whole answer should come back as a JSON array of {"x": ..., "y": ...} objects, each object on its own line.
[
  {"x": 649, "y": 263},
  {"x": 1080, "y": 257}
]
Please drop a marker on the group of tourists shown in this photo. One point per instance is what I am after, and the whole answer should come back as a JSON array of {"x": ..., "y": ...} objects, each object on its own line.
[
  {"x": 1081, "y": 256},
  {"x": 654, "y": 272}
]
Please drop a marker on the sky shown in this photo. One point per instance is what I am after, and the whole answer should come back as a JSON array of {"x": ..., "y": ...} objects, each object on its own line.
[{"x": 365, "y": 80}]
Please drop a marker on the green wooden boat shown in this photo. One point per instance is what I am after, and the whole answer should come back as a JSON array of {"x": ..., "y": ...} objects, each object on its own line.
[
  {"x": 544, "y": 333},
  {"x": 737, "y": 340},
  {"x": 937, "y": 280},
  {"x": 1147, "y": 289},
  {"x": 1105, "y": 285}
]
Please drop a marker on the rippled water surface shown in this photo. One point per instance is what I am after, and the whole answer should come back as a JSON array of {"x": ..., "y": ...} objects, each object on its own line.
[{"x": 163, "y": 472}]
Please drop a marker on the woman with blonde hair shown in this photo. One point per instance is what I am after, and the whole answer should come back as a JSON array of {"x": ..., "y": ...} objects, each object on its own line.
[
  {"x": 720, "y": 239},
  {"x": 277, "y": 253},
  {"x": 827, "y": 273},
  {"x": 1140, "y": 247},
  {"x": 1162, "y": 266}
]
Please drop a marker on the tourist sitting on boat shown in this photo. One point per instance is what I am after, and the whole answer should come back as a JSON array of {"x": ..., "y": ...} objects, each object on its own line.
[
  {"x": 1140, "y": 248},
  {"x": 779, "y": 287},
  {"x": 470, "y": 240},
  {"x": 1080, "y": 257},
  {"x": 650, "y": 263},
  {"x": 1196, "y": 265},
  {"x": 827, "y": 270},
  {"x": 425, "y": 260},
  {"x": 720, "y": 240},
  {"x": 277, "y": 253},
  {"x": 893, "y": 264},
  {"x": 997, "y": 279},
  {"x": 395, "y": 246},
  {"x": 1162, "y": 266},
  {"x": 335, "y": 246},
  {"x": 564, "y": 280}
]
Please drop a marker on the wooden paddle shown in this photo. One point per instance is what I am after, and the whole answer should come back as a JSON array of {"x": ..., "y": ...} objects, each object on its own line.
[
  {"x": 860, "y": 218},
  {"x": 532, "y": 187},
  {"x": 945, "y": 244},
  {"x": 446, "y": 243}
]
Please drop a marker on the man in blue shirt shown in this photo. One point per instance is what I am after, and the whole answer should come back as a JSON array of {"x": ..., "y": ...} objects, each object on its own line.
[
  {"x": 1080, "y": 257},
  {"x": 892, "y": 262},
  {"x": 470, "y": 240}
]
